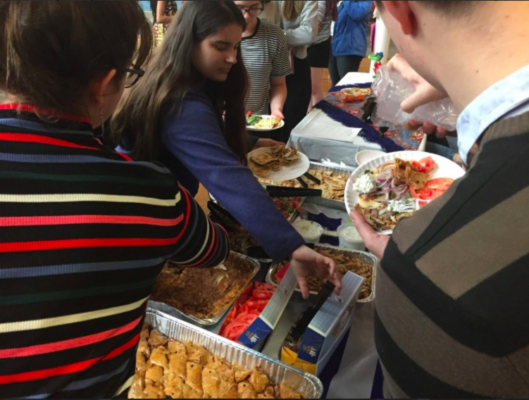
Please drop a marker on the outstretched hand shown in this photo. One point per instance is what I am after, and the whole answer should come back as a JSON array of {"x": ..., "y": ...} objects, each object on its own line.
[{"x": 306, "y": 262}]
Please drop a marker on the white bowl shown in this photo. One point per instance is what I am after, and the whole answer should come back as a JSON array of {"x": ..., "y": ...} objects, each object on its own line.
[
  {"x": 346, "y": 241},
  {"x": 310, "y": 231}
]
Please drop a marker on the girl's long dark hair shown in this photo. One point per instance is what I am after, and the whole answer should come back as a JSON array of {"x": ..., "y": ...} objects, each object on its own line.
[{"x": 170, "y": 75}]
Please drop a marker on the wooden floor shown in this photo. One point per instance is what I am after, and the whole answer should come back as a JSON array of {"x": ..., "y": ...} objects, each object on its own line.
[{"x": 202, "y": 196}]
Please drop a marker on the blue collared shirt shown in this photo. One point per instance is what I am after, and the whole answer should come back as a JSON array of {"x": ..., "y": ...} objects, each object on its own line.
[{"x": 507, "y": 98}]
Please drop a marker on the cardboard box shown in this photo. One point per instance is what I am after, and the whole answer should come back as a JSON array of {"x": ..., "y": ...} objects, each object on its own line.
[{"x": 327, "y": 329}]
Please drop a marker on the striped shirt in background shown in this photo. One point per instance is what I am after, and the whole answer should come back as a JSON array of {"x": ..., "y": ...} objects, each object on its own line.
[
  {"x": 84, "y": 232},
  {"x": 265, "y": 56},
  {"x": 452, "y": 315}
]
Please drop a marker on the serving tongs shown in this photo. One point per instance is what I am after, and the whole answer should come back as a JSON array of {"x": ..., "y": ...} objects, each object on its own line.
[
  {"x": 279, "y": 191},
  {"x": 300, "y": 326}
]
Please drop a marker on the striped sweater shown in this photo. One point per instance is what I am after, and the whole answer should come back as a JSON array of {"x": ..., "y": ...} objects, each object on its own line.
[
  {"x": 452, "y": 299},
  {"x": 84, "y": 232}
]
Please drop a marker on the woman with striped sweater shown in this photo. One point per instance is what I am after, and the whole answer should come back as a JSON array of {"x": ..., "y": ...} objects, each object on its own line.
[{"x": 84, "y": 231}]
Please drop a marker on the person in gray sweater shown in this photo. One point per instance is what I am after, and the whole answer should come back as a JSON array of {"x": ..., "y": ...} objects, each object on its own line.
[{"x": 299, "y": 20}]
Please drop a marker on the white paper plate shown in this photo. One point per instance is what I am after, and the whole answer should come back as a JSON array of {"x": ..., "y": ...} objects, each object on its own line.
[
  {"x": 252, "y": 129},
  {"x": 367, "y": 155},
  {"x": 445, "y": 169},
  {"x": 288, "y": 173}
]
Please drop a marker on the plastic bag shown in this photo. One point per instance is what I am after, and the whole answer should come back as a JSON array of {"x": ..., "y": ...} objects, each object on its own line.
[{"x": 392, "y": 89}]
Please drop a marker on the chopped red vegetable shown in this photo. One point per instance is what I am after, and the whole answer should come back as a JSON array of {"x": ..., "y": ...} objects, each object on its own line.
[{"x": 246, "y": 310}]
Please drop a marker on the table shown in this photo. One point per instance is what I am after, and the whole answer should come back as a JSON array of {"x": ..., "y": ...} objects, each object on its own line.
[{"x": 318, "y": 121}]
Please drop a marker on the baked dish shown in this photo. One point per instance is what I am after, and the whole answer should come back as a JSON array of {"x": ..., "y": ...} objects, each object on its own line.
[
  {"x": 184, "y": 370},
  {"x": 344, "y": 262},
  {"x": 200, "y": 292},
  {"x": 332, "y": 184}
]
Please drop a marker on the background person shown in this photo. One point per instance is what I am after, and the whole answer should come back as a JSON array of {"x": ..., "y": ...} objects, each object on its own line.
[
  {"x": 163, "y": 13},
  {"x": 349, "y": 43},
  {"x": 299, "y": 20}
]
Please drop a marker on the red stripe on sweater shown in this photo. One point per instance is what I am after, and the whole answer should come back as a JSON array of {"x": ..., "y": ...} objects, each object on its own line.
[
  {"x": 66, "y": 369},
  {"x": 87, "y": 219},
  {"x": 81, "y": 243},
  {"x": 68, "y": 344},
  {"x": 33, "y": 109},
  {"x": 28, "y": 138}
]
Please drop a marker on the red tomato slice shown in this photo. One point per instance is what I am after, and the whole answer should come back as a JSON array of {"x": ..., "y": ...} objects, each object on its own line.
[
  {"x": 441, "y": 184},
  {"x": 426, "y": 165},
  {"x": 262, "y": 294},
  {"x": 282, "y": 272},
  {"x": 264, "y": 286}
]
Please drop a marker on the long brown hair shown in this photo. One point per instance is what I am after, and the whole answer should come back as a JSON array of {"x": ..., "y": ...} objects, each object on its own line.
[
  {"x": 50, "y": 51},
  {"x": 171, "y": 75},
  {"x": 291, "y": 9}
]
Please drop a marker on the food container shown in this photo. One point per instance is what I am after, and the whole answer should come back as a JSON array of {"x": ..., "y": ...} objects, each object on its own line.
[
  {"x": 310, "y": 231},
  {"x": 363, "y": 256},
  {"x": 333, "y": 204},
  {"x": 278, "y": 372},
  {"x": 167, "y": 309},
  {"x": 350, "y": 238}
]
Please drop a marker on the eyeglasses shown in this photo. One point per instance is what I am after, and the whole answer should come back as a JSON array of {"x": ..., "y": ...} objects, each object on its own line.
[
  {"x": 252, "y": 11},
  {"x": 133, "y": 75}
]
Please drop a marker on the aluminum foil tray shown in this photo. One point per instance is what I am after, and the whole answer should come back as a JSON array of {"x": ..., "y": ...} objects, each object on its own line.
[
  {"x": 167, "y": 309},
  {"x": 365, "y": 257},
  {"x": 333, "y": 204},
  {"x": 307, "y": 384}
]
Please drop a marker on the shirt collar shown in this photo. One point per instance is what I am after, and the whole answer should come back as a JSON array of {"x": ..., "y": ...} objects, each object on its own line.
[{"x": 493, "y": 104}]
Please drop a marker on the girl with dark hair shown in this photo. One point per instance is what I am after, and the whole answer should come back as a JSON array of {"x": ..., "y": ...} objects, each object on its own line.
[
  {"x": 84, "y": 231},
  {"x": 189, "y": 112}
]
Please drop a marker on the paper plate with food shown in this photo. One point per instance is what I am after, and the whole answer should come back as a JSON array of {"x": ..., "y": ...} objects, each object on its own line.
[
  {"x": 278, "y": 163},
  {"x": 263, "y": 123},
  {"x": 394, "y": 186}
]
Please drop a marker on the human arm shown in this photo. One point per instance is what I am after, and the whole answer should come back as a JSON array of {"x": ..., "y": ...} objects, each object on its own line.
[
  {"x": 199, "y": 144},
  {"x": 357, "y": 10},
  {"x": 199, "y": 243},
  {"x": 278, "y": 96},
  {"x": 161, "y": 18},
  {"x": 307, "y": 31}
]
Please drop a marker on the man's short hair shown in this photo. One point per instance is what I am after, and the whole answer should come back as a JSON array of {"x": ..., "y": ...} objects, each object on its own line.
[{"x": 446, "y": 6}]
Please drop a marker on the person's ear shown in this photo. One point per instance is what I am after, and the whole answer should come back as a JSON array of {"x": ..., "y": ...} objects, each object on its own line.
[
  {"x": 101, "y": 87},
  {"x": 404, "y": 14}
]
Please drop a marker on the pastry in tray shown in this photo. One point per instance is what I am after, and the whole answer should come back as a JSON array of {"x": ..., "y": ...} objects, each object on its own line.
[
  {"x": 344, "y": 262},
  {"x": 184, "y": 370},
  {"x": 201, "y": 292},
  {"x": 332, "y": 184}
]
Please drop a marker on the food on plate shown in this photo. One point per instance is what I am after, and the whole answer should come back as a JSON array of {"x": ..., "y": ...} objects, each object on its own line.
[
  {"x": 265, "y": 160},
  {"x": 198, "y": 374},
  {"x": 246, "y": 309},
  {"x": 252, "y": 119},
  {"x": 397, "y": 190},
  {"x": 332, "y": 184},
  {"x": 262, "y": 122},
  {"x": 203, "y": 293},
  {"x": 345, "y": 261}
]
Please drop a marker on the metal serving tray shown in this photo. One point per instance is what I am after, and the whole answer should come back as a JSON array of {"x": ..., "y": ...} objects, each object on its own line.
[
  {"x": 362, "y": 255},
  {"x": 307, "y": 384},
  {"x": 167, "y": 309},
  {"x": 333, "y": 204}
]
